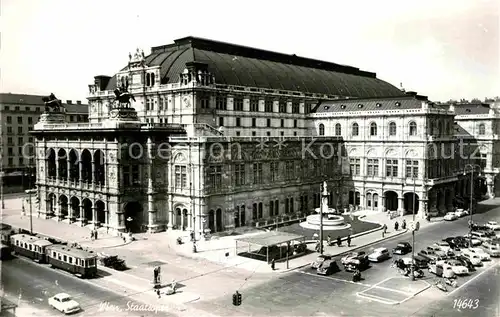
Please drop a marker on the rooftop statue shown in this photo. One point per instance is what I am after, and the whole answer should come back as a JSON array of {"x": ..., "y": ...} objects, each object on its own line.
[
  {"x": 123, "y": 96},
  {"x": 51, "y": 102}
]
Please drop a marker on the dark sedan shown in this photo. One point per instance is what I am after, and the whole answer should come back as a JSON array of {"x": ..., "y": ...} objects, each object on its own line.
[{"x": 402, "y": 248}]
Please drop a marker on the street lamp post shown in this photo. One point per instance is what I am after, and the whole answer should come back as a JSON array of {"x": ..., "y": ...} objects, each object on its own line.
[
  {"x": 472, "y": 168},
  {"x": 413, "y": 233},
  {"x": 1, "y": 189}
]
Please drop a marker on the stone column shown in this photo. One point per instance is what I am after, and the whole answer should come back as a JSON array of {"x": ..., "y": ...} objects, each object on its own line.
[
  {"x": 81, "y": 220},
  {"x": 92, "y": 178},
  {"x": 58, "y": 210},
  {"x": 432, "y": 202},
  {"x": 70, "y": 212},
  {"x": 490, "y": 181},
  {"x": 57, "y": 166},
  {"x": 68, "y": 169},
  {"x": 362, "y": 201},
  {"x": 94, "y": 217},
  {"x": 182, "y": 219},
  {"x": 80, "y": 171},
  {"x": 152, "y": 224},
  {"x": 401, "y": 208},
  {"x": 120, "y": 221},
  {"x": 382, "y": 203}
]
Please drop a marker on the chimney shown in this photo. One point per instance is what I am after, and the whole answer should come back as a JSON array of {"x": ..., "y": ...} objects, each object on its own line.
[
  {"x": 78, "y": 102},
  {"x": 69, "y": 102}
]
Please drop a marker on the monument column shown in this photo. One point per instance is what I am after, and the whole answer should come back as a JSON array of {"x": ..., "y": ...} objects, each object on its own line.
[{"x": 152, "y": 225}]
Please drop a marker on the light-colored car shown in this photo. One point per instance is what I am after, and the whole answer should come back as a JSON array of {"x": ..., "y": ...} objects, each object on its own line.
[
  {"x": 473, "y": 258},
  {"x": 437, "y": 250},
  {"x": 493, "y": 225},
  {"x": 443, "y": 246},
  {"x": 64, "y": 303},
  {"x": 461, "y": 213},
  {"x": 482, "y": 236},
  {"x": 441, "y": 269},
  {"x": 379, "y": 254},
  {"x": 492, "y": 249},
  {"x": 450, "y": 216},
  {"x": 475, "y": 241},
  {"x": 480, "y": 252},
  {"x": 457, "y": 267}
]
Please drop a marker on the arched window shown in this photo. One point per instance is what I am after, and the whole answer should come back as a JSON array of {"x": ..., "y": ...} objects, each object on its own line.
[
  {"x": 431, "y": 127},
  {"x": 373, "y": 129},
  {"x": 355, "y": 129},
  {"x": 412, "y": 128},
  {"x": 148, "y": 79},
  {"x": 322, "y": 129},
  {"x": 338, "y": 129},
  {"x": 482, "y": 129},
  {"x": 392, "y": 128},
  {"x": 439, "y": 128},
  {"x": 152, "y": 79},
  {"x": 368, "y": 200}
]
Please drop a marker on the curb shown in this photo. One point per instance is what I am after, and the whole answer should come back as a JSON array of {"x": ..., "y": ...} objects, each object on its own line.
[{"x": 351, "y": 250}]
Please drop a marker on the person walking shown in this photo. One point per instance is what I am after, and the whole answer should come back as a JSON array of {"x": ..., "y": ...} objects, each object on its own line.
[
  {"x": 273, "y": 263},
  {"x": 396, "y": 226},
  {"x": 95, "y": 234},
  {"x": 339, "y": 241},
  {"x": 349, "y": 240},
  {"x": 403, "y": 225},
  {"x": 92, "y": 235}
]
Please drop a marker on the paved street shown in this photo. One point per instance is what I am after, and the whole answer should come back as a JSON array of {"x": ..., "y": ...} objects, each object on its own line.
[
  {"x": 36, "y": 283},
  {"x": 302, "y": 292}
]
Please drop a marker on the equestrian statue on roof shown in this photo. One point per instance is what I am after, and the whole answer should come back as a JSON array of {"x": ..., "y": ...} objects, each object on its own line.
[
  {"x": 51, "y": 102},
  {"x": 123, "y": 96}
]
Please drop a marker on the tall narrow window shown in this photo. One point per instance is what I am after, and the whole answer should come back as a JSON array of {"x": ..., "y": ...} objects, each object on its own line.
[
  {"x": 321, "y": 129},
  {"x": 413, "y": 128},
  {"x": 257, "y": 173},
  {"x": 338, "y": 129},
  {"x": 411, "y": 169},
  {"x": 239, "y": 174},
  {"x": 392, "y": 168},
  {"x": 482, "y": 129},
  {"x": 254, "y": 105},
  {"x": 355, "y": 129},
  {"x": 282, "y": 108},
  {"x": 180, "y": 177},
  {"x": 274, "y": 171},
  {"x": 373, "y": 129},
  {"x": 221, "y": 103},
  {"x": 392, "y": 128},
  {"x": 372, "y": 169},
  {"x": 238, "y": 104},
  {"x": 269, "y": 106},
  {"x": 355, "y": 165},
  {"x": 216, "y": 177},
  {"x": 295, "y": 107}
]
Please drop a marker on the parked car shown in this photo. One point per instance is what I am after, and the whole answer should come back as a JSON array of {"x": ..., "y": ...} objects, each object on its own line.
[
  {"x": 490, "y": 234},
  {"x": 430, "y": 255},
  {"x": 437, "y": 250},
  {"x": 379, "y": 254},
  {"x": 466, "y": 262},
  {"x": 402, "y": 248},
  {"x": 354, "y": 256},
  {"x": 480, "y": 252},
  {"x": 64, "y": 303},
  {"x": 441, "y": 269},
  {"x": 473, "y": 258},
  {"x": 419, "y": 261},
  {"x": 461, "y": 212},
  {"x": 493, "y": 225},
  {"x": 450, "y": 216},
  {"x": 492, "y": 249},
  {"x": 475, "y": 241},
  {"x": 457, "y": 266},
  {"x": 328, "y": 267},
  {"x": 443, "y": 246},
  {"x": 319, "y": 261},
  {"x": 476, "y": 227}
]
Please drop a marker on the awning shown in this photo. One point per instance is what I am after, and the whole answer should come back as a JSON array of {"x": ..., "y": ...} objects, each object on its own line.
[{"x": 271, "y": 238}]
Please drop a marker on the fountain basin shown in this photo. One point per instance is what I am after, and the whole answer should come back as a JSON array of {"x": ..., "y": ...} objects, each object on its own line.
[{"x": 330, "y": 222}]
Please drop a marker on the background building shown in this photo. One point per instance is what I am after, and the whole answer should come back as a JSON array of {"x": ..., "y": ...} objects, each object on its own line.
[{"x": 18, "y": 114}]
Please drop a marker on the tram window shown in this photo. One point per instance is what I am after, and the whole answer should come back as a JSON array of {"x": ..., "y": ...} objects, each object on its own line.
[
  {"x": 65, "y": 259},
  {"x": 17, "y": 242},
  {"x": 25, "y": 245},
  {"x": 54, "y": 255},
  {"x": 91, "y": 262},
  {"x": 70, "y": 259},
  {"x": 59, "y": 257},
  {"x": 30, "y": 246}
]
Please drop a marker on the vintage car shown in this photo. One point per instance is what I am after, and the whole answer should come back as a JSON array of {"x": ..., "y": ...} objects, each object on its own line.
[
  {"x": 319, "y": 261},
  {"x": 379, "y": 254},
  {"x": 436, "y": 249},
  {"x": 474, "y": 241},
  {"x": 492, "y": 249},
  {"x": 457, "y": 266},
  {"x": 461, "y": 242},
  {"x": 328, "y": 267},
  {"x": 473, "y": 258},
  {"x": 493, "y": 225},
  {"x": 479, "y": 252},
  {"x": 64, "y": 303},
  {"x": 361, "y": 256},
  {"x": 430, "y": 255},
  {"x": 420, "y": 262},
  {"x": 465, "y": 262},
  {"x": 461, "y": 212},
  {"x": 450, "y": 216},
  {"x": 443, "y": 246},
  {"x": 441, "y": 269},
  {"x": 402, "y": 248}
]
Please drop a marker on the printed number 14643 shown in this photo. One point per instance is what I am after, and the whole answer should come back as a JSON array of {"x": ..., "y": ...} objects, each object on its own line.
[{"x": 464, "y": 303}]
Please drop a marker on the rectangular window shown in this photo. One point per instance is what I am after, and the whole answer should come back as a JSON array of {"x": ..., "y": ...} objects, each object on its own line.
[
  {"x": 411, "y": 169},
  {"x": 205, "y": 102},
  {"x": 268, "y": 123},
  {"x": 221, "y": 121},
  {"x": 239, "y": 174},
  {"x": 65, "y": 258},
  {"x": 289, "y": 170},
  {"x": 392, "y": 168},
  {"x": 282, "y": 123},
  {"x": 372, "y": 168},
  {"x": 238, "y": 122},
  {"x": 307, "y": 108},
  {"x": 216, "y": 176},
  {"x": 355, "y": 165},
  {"x": 70, "y": 260},
  {"x": 254, "y": 122},
  {"x": 180, "y": 177},
  {"x": 295, "y": 123},
  {"x": 30, "y": 120},
  {"x": 254, "y": 105},
  {"x": 268, "y": 133},
  {"x": 135, "y": 175},
  {"x": 238, "y": 133},
  {"x": 269, "y": 106},
  {"x": 20, "y": 120},
  {"x": 10, "y": 142},
  {"x": 9, "y": 119},
  {"x": 147, "y": 104},
  {"x": 20, "y": 140},
  {"x": 221, "y": 103},
  {"x": 295, "y": 107},
  {"x": 9, "y": 129},
  {"x": 254, "y": 133},
  {"x": 282, "y": 108},
  {"x": 274, "y": 171},
  {"x": 20, "y": 130},
  {"x": 257, "y": 173},
  {"x": 238, "y": 104}
]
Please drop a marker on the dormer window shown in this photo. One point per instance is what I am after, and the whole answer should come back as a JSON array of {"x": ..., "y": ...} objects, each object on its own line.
[
  {"x": 150, "y": 79},
  {"x": 398, "y": 104},
  {"x": 467, "y": 110},
  {"x": 379, "y": 105},
  {"x": 326, "y": 107},
  {"x": 360, "y": 106},
  {"x": 342, "y": 106}
]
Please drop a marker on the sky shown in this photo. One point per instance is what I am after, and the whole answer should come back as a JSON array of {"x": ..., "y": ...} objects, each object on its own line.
[{"x": 444, "y": 49}]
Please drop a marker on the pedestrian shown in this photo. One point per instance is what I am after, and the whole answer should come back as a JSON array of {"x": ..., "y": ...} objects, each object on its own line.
[
  {"x": 339, "y": 241},
  {"x": 384, "y": 230},
  {"x": 95, "y": 234},
  {"x": 315, "y": 236},
  {"x": 329, "y": 240},
  {"x": 92, "y": 235},
  {"x": 272, "y": 264},
  {"x": 349, "y": 240},
  {"x": 396, "y": 226},
  {"x": 158, "y": 293},
  {"x": 403, "y": 225}
]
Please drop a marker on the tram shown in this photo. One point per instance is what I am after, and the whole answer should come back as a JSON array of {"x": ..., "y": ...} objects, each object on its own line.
[
  {"x": 76, "y": 261},
  {"x": 5, "y": 252},
  {"x": 30, "y": 246}
]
